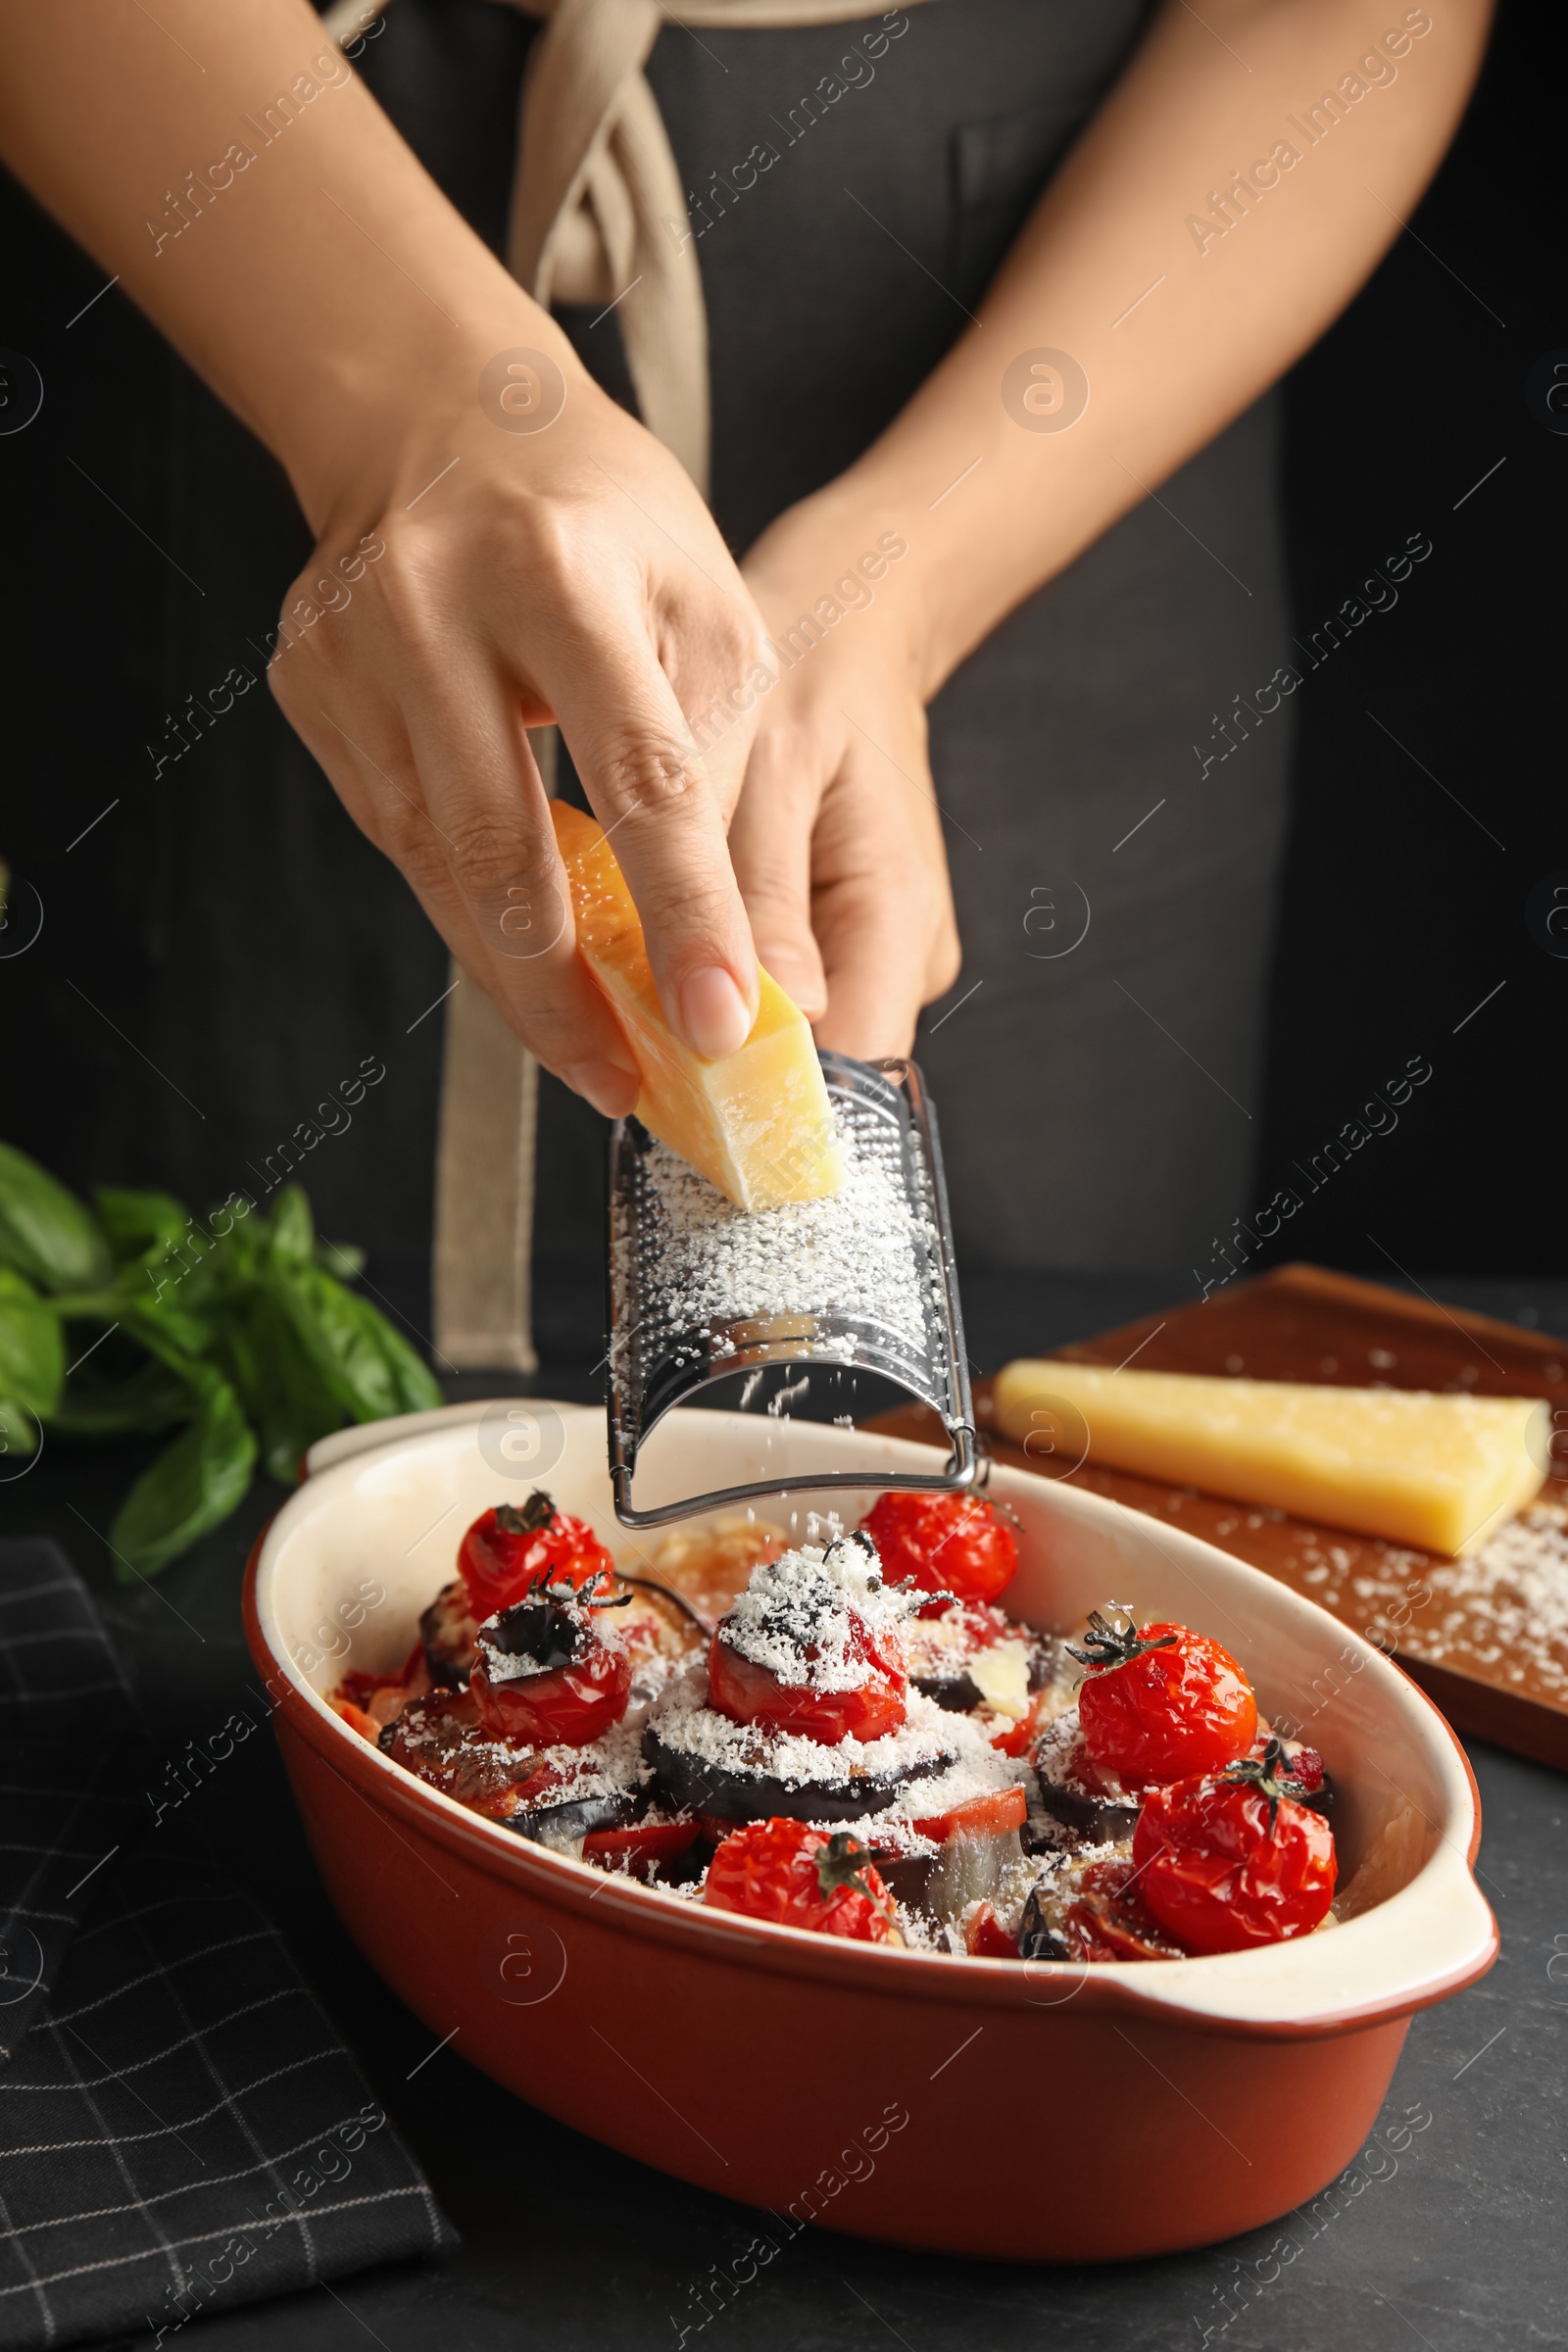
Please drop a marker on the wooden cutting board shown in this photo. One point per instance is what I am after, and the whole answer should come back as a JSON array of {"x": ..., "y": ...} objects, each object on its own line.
[{"x": 1305, "y": 1323}]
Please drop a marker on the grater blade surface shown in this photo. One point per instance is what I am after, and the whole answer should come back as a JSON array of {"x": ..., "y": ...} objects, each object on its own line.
[{"x": 699, "y": 1290}]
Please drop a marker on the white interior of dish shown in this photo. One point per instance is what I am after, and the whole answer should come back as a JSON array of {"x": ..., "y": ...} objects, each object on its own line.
[{"x": 385, "y": 1507}]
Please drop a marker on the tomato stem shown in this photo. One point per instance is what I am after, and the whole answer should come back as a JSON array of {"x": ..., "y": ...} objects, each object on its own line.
[
  {"x": 1263, "y": 1774},
  {"x": 1107, "y": 1645},
  {"x": 535, "y": 1515}
]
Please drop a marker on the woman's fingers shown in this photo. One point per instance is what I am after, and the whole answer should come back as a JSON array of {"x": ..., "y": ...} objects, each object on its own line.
[
  {"x": 838, "y": 846},
  {"x": 651, "y": 793},
  {"x": 490, "y": 858},
  {"x": 770, "y": 846},
  {"x": 838, "y": 837},
  {"x": 448, "y": 789},
  {"x": 880, "y": 906}
]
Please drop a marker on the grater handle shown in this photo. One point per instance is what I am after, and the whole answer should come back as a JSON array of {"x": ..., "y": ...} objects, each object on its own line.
[{"x": 963, "y": 1466}]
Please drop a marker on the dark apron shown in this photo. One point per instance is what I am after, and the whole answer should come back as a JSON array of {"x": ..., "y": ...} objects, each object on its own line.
[{"x": 1099, "y": 1087}]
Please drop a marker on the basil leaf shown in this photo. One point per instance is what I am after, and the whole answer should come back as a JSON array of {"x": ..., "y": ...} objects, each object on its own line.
[
  {"x": 366, "y": 1367},
  {"x": 240, "y": 1242},
  {"x": 146, "y": 1316},
  {"x": 33, "y": 1349},
  {"x": 192, "y": 1487},
  {"x": 169, "y": 1265},
  {"x": 45, "y": 1232},
  {"x": 139, "y": 1225},
  {"x": 19, "y": 1431},
  {"x": 292, "y": 1241},
  {"x": 418, "y": 1389},
  {"x": 345, "y": 1259},
  {"x": 283, "y": 1393}
]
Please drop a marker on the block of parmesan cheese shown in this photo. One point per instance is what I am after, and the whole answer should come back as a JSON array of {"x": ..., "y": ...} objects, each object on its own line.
[
  {"x": 1437, "y": 1471},
  {"x": 757, "y": 1123}
]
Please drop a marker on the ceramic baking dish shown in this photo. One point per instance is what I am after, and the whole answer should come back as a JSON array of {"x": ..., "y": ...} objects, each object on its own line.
[{"x": 1045, "y": 2112}]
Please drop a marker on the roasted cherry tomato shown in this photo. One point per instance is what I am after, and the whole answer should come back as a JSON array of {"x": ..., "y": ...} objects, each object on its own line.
[
  {"x": 751, "y": 1693},
  {"x": 988, "y": 1816},
  {"x": 1301, "y": 1766},
  {"x": 947, "y": 1543},
  {"x": 1017, "y": 1739},
  {"x": 985, "y": 1937},
  {"x": 572, "y": 1677},
  {"x": 1230, "y": 1860},
  {"x": 1161, "y": 1704},
  {"x": 1109, "y": 1920},
  {"x": 565, "y": 1708},
  {"x": 506, "y": 1548},
  {"x": 802, "y": 1878},
  {"x": 642, "y": 1848}
]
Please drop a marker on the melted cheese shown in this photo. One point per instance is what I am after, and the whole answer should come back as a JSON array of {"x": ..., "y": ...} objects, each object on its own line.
[
  {"x": 757, "y": 1123},
  {"x": 1000, "y": 1674},
  {"x": 1438, "y": 1471}
]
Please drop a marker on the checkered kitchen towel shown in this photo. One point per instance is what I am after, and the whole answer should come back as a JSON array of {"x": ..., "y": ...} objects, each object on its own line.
[{"x": 180, "y": 2128}]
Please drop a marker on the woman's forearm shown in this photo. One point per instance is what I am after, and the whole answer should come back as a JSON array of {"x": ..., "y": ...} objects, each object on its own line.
[
  {"x": 1218, "y": 213},
  {"x": 254, "y": 201},
  {"x": 229, "y": 166}
]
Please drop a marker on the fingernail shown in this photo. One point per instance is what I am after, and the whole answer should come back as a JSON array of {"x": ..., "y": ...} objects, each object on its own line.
[
  {"x": 608, "y": 1088},
  {"x": 714, "y": 1013}
]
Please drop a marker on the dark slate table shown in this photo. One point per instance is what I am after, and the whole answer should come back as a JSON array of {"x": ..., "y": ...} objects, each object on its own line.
[{"x": 1451, "y": 2234}]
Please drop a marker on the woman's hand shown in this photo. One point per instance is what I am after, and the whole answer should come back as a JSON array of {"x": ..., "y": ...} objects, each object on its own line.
[
  {"x": 571, "y": 573},
  {"x": 469, "y": 578},
  {"x": 837, "y": 839}
]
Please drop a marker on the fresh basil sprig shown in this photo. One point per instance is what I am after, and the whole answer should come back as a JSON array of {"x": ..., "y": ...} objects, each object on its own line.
[
  {"x": 45, "y": 1232},
  {"x": 240, "y": 1333}
]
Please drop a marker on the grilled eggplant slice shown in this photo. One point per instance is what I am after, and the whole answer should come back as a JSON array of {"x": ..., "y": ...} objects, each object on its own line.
[
  {"x": 1092, "y": 1808},
  {"x": 449, "y": 1631},
  {"x": 692, "y": 1782}
]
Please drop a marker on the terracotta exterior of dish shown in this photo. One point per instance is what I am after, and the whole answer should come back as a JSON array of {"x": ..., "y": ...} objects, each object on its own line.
[
  {"x": 1024, "y": 2112},
  {"x": 846, "y": 2093}
]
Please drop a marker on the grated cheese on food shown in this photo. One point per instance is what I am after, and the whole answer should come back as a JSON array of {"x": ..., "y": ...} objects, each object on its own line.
[{"x": 795, "y": 1617}]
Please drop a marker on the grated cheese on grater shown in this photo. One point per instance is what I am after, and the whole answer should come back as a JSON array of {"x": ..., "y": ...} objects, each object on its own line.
[{"x": 860, "y": 1250}]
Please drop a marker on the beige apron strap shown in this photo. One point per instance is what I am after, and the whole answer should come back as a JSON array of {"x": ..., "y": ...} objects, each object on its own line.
[
  {"x": 484, "y": 1174},
  {"x": 599, "y": 211},
  {"x": 484, "y": 1190},
  {"x": 598, "y": 208},
  {"x": 598, "y": 205}
]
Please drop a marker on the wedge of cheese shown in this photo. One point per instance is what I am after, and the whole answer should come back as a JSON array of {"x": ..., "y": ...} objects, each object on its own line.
[
  {"x": 1438, "y": 1471},
  {"x": 757, "y": 1123}
]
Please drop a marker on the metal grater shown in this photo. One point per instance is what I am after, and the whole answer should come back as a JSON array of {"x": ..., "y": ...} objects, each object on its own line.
[{"x": 906, "y": 1328}]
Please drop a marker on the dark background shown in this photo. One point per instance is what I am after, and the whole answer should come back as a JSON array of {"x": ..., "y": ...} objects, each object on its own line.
[
  {"x": 1401, "y": 915},
  {"x": 1409, "y": 868}
]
